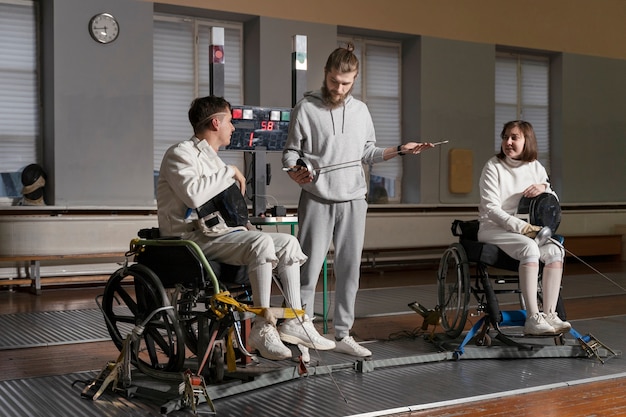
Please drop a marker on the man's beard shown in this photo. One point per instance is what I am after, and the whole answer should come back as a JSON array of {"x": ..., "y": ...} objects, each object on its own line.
[{"x": 331, "y": 100}]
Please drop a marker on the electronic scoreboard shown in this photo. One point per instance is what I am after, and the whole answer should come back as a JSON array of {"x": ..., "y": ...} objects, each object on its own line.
[{"x": 259, "y": 127}]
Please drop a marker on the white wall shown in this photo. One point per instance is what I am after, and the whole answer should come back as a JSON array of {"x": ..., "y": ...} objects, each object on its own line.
[{"x": 416, "y": 227}]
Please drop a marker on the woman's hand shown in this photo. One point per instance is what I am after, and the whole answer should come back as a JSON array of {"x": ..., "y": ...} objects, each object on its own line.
[{"x": 534, "y": 190}]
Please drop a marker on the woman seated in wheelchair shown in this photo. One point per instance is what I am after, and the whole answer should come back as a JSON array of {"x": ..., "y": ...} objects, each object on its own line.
[
  {"x": 508, "y": 176},
  {"x": 200, "y": 198}
]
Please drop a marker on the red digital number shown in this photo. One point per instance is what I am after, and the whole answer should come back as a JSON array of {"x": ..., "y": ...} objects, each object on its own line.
[
  {"x": 267, "y": 125},
  {"x": 251, "y": 139}
]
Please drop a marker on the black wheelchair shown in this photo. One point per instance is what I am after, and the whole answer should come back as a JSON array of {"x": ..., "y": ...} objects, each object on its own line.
[
  {"x": 167, "y": 298},
  {"x": 464, "y": 270},
  {"x": 456, "y": 283}
]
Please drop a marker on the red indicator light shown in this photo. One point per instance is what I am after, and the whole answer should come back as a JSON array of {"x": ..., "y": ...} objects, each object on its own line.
[
  {"x": 237, "y": 113},
  {"x": 217, "y": 54}
]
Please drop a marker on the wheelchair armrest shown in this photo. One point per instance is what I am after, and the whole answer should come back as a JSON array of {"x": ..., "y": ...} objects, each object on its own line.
[
  {"x": 151, "y": 233},
  {"x": 154, "y": 233}
]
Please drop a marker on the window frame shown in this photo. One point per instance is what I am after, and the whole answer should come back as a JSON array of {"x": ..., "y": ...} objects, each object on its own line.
[
  {"x": 541, "y": 127},
  {"x": 26, "y": 148},
  {"x": 362, "y": 90},
  {"x": 197, "y": 86}
]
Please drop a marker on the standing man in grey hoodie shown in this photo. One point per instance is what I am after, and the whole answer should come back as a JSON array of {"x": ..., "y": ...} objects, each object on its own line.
[{"x": 330, "y": 127}]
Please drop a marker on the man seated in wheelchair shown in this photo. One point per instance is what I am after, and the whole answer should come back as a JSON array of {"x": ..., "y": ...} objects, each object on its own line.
[
  {"x": 506, "y": 178},
  {"x": 200, "y": 198}
]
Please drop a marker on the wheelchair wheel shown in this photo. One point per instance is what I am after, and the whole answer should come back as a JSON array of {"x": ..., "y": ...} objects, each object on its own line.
[
  {"x": 453, "y": 290},
  {"x": 485, "y": 340},
  {"x": 217, "y": 364},
  {"x": 187, "y": 310},
  {"x": 131, "y": 295}
]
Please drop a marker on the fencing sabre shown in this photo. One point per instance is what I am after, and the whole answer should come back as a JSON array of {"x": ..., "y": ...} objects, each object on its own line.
[
  {"x": 545, "y": 235},
  {"x": 303, "y": 162}
]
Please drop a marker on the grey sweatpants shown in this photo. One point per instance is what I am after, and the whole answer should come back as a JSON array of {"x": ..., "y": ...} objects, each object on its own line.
[{"x": 320, "y": 223}]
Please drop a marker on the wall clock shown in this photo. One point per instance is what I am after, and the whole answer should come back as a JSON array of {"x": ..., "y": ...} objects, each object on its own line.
[{"x": 104, "y": 28}]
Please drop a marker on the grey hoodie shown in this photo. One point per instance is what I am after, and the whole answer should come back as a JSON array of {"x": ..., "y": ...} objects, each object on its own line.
[{"x": 328, "y": 137}]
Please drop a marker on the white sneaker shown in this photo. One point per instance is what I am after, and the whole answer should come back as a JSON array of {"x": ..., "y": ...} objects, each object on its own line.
[
  {"x": 558, "y": 324},
  {"x": 304, "y": 355},
  {"x": 351, "y": 347},
  {"x": 305, "y": 334},
  {"x": 264, "y": 338},
  {"x": 537, "y": 325}
]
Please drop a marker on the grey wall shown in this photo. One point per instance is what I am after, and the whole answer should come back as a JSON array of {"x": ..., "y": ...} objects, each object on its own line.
[
  {"x": 268, "y": 78},
  {"x": 449, "y": 96},
  {"x": 97, "y": 105},
  {"x": 268, "y": 47},
  {"x": 411, "y": 115},
  {"x": 590, "y": 130}
]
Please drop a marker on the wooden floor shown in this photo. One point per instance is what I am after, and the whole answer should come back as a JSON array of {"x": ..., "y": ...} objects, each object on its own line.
[
  {"x": 593, "y": 399},
  {"x": 598, "y": 399}
]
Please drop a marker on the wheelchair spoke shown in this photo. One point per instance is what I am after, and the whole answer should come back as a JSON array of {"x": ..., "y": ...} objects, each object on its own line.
[
  {"x": 126, "y": 298},
  {"x": 158, "y": 345},
  {"x": 188, "y": 318}
]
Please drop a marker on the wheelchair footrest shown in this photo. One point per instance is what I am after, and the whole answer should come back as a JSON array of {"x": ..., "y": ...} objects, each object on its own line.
[
  {"x": 595, "y": 348},
  {"x": 588, "y": 346}
]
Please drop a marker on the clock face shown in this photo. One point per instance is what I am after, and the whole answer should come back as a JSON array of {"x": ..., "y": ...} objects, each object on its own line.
[{"x": 104, "y": 28}]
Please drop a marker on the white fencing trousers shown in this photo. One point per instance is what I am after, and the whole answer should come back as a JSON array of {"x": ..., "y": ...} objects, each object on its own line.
[
  {"x": 521, "y": 247},
  {"x": 261, "y": 252},
  {"x": 526, "y": 250}
]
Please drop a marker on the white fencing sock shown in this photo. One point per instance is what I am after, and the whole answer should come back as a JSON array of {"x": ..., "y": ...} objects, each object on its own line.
[
  {"x": 290, "y": 280},
  {"x": 528, "y": 277},
  {"x": 261, "y": 283},
  {"x": 551, "y": 282}
]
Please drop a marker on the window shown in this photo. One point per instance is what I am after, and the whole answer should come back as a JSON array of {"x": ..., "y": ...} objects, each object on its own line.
[
  {"x": 522, "y": 92},
  {"x": 378, "y": 85},
  {"x": 19, "y": 96},
  {"x": 181, "y": 73}
]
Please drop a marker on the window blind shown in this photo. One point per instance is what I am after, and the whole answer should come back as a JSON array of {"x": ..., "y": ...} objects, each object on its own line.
[
  {"x": 181, "y": 73},
  {"x": 173, "y": 83},
  {"x": 382, "y": 69},
  {"x": 19, "y": 99}
]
